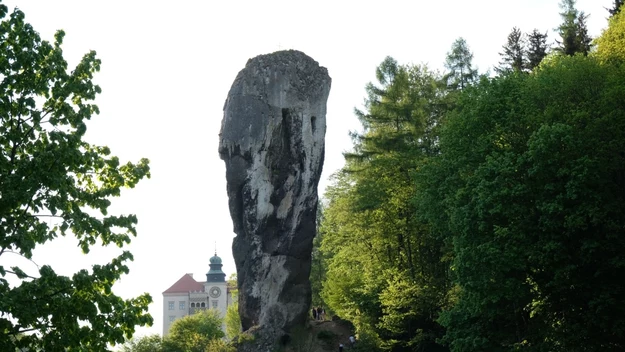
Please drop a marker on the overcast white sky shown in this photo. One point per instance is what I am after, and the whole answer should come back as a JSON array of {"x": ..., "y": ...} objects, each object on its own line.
[{"x": 167, "y": 67}]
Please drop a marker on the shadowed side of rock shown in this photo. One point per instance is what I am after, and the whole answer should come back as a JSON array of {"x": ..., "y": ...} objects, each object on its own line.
[{"x": 272, "y": 141}]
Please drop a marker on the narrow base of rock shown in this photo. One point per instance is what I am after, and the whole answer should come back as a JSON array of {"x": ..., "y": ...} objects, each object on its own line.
[{"x": 272, "y": 141}]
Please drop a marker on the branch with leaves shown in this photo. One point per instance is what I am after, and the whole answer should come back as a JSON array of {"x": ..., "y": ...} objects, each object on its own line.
[{"x": 48, "y": 170}]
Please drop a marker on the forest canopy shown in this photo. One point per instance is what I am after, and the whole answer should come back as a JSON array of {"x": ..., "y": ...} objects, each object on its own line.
[
  {"x": 54, "y": 183},
  {"x": 486, "y": 212}
]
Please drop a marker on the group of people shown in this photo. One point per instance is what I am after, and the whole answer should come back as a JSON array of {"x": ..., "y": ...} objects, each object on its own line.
[
  {"x": 318, "y": 313},
  {"x": 352, "y": 343}
]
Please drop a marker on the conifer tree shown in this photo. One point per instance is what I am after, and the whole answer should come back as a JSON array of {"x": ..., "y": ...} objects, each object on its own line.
[
  {"x": 573, "y": 30},
  {"x": 385, "y": 271},
  {"x": 616, "y": 8},
  {"x": 459, "y": 63},
  {"x": 536, "y": 48},
  {"x": 513, "y": 55},
  {"x": 584, "y": 39}
]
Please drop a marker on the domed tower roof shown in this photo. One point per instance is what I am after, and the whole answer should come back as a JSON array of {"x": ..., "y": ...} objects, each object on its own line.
[
  {"x": 215, "y": 274},
  {"x": 215, "y": 259}
]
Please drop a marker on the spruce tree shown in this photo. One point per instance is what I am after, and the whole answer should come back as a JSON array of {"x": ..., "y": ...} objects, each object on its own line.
[
  {"x": 573, "y": 30},
  {"x": 513, "y": 55},
  {"x": 536, "y": 48},
  {"x": 616, "y": 8},
  {"x": 568, "y": 28},
  {"x": 583, "y": 38}
]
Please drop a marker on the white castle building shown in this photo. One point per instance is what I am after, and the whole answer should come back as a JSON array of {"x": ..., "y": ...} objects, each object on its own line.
[{"x": 187, "y": 296}]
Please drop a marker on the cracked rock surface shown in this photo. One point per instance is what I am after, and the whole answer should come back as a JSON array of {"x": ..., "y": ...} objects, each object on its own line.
[{"x": 272, "y": 141}]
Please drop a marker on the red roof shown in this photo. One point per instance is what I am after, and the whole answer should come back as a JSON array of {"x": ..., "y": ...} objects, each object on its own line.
[{"x": 186, "y": 284}]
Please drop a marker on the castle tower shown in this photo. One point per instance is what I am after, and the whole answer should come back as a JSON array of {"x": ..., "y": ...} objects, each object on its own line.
[
  {"x": 216, "y": 286},
  {"x": 215, "y": 274},
  {"x": 188, "y": 296}
]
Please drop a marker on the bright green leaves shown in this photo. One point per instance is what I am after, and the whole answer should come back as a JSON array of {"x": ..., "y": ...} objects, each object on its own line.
[
  {"x": 193, "y": 333},
  {"x": 53, "y": 183},
  {"x": 534, "y": 196},
  {"x": 63, "y": 306},
  {"x": 233, "y": 321},
  {"x": 611, "y": 43},
  {"x": 520, "y": 202},
  {"x": 370, "y": 229},
  {"x": 407, "y": 308},
  {"x": 150, "y": 343}
]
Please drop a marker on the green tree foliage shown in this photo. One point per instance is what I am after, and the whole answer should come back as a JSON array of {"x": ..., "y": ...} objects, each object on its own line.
[
  {"x": 232, "y": 282},
  {"x": 194, "y": 333},
  {"x": 459, "y": 65},
  {"x": 319, "y": 262},
  {"x": 233, "y": 320},
  {"x": 536, "y": 48},
  {"x": 53, "y": 183},
  {"x": 219, "y": 345},
  {"x": 514, "y": 53},
  {"x": 573, "y": 30},
  {"x": 611, "y": 43},
  {"x": 371, "y": 235},
  {"x": 508, "y": 221},
  {"x": 616, "y": 8},
  {"x": 569, "y": 43},
  {"x": 200, "y": 332},
  {"x": 585, "y": 40},
  {"x": 154, "y": 343},
  {"x": 531, "y": 175},
  {"x": 353, "y": 277},
  {"x": 149, "y": 343}
]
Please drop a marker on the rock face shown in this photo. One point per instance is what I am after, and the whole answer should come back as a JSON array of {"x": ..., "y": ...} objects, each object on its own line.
[{"x": 272, "y": 141}]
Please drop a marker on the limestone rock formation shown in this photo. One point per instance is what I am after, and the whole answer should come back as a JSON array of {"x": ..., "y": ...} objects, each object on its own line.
[{"x": 272, "y": 141}]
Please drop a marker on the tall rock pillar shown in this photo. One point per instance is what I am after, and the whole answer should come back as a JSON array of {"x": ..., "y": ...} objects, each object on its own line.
[{"x": 272, "y": 141}]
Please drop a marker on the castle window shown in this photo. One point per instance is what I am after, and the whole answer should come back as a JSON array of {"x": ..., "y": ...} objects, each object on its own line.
[
  {"x": 192, "y": 305},
  {"x": 171, "y": 305},
  {"x": 181, "y": 305},
  {"x": 171, "y": 318},
  {"x": 215, "y": 304},
  {"x": 203, "y": 305}
]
